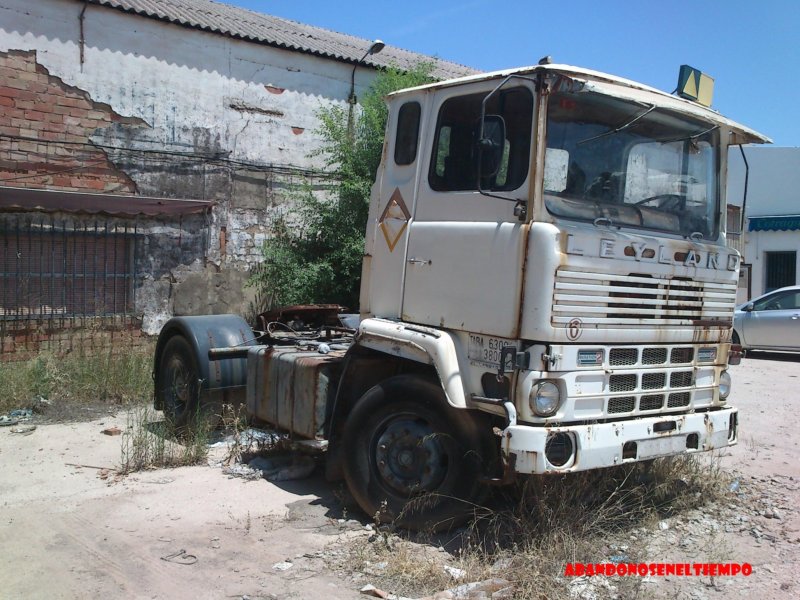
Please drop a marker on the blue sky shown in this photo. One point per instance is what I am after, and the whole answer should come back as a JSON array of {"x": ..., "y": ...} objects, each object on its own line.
[{"x": 750, "y": 47}]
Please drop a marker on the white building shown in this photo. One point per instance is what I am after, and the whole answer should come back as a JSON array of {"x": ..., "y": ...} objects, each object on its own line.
[
  {"x": 175, "y": 99},
  {"x": 772, "y": 216}
]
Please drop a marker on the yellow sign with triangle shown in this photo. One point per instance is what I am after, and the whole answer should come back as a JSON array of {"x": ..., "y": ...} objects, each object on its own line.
[{"x": 695, "y": 85}]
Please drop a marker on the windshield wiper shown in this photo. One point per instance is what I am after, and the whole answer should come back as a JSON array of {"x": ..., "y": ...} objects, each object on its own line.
[
  {"x": 688, "y": 137},
  {"x": 621, "y": 127}
]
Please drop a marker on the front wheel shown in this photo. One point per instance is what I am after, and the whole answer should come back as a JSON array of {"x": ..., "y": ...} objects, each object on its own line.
[{"x": 411, "y": 458}]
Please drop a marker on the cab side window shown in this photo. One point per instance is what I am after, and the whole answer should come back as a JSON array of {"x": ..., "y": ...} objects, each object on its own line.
[
  {"x": 405, "y": 144},
  {"x": 454, "y": 161}
]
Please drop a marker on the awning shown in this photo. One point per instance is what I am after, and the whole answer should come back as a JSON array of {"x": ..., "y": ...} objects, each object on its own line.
[
  {"x": 777, "y": 223},
  {"x": 26, "y": 200}
]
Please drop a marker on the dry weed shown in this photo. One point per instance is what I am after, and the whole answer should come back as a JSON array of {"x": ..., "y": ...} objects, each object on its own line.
[{"x": 530, "y": 532}]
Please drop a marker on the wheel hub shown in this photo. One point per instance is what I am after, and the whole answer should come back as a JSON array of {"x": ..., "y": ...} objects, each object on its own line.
[
  {"x": 178, "y": 385},
  {"x": 410, "y": 457}
]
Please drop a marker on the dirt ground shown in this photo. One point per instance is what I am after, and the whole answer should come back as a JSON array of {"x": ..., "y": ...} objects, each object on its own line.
[{"x": 70, "y": 529}]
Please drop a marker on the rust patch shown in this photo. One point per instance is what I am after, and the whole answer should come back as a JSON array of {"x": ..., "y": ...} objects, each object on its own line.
[
  {"x": 272, "y": 89},
  {"x": 298, "y": 130},
  {"x": 646, "y": 253}
]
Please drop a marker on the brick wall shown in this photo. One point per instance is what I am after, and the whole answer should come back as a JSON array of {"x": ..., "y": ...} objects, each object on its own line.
[
  {"x": 45, "y": 130},
  {"x": 24, "y": 340}
]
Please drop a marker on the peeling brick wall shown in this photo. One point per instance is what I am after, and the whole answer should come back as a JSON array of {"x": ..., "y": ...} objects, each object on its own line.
[
  {"x": 45, "y": 130},
  {"x": 136, "y": 106},
  {"x": 25, "y": 340}
]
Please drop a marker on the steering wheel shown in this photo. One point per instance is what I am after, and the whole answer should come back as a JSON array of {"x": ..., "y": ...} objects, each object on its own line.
[{"x": 665, "y": 201}]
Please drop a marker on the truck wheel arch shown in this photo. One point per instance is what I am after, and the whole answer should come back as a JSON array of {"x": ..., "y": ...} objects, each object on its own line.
[
  {"x": 203, "y": 333},
  {"x": 420, "y": 344}
]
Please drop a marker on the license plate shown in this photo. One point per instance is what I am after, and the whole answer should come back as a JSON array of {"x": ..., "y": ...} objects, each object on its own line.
[
  {"x": 665, "y": 446},
  {"x": 486, "y": 350}
]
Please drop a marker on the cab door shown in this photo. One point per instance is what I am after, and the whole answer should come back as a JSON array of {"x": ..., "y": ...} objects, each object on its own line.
[{"x": 465, "y": 256}]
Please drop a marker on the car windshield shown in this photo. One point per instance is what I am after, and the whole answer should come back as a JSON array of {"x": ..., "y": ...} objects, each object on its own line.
[{"x": 631, "y": 164}]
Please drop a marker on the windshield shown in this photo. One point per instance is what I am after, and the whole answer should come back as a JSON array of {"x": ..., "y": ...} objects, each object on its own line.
[{"x": 630, "y": 164}]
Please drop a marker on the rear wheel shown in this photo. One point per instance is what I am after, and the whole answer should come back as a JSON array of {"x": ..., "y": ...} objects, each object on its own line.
[
  {"x": 412, "y": 459},
  {"x": 178, "y": 382},
  {"x": 736, "y": 339}
]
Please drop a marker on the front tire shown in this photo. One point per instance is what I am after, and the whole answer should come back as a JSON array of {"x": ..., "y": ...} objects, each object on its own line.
[{"x": 412, "y": 459}]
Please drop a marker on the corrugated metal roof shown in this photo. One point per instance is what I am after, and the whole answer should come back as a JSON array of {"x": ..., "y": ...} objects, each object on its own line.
[
  {"x": 275, "y": 31},
  {"x": 29, "y": 199}
]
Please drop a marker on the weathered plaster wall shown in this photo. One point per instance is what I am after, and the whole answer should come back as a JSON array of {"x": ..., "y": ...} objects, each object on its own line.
[{"x": 167, "y": 111}]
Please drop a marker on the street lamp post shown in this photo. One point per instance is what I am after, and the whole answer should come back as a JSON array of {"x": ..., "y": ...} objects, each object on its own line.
[{"x": 376, "y": 47}]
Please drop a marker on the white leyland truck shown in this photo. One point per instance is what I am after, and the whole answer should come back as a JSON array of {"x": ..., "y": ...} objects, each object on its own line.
[{"x": 546, "y": 289}]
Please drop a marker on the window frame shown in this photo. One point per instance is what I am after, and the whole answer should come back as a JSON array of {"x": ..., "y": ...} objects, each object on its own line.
[
  {"x": 522, "y": 155},
  {"x": 403, "y": 141}
]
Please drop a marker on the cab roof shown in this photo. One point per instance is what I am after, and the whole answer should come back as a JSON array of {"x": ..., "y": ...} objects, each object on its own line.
[{"x": 609, "y": 84}]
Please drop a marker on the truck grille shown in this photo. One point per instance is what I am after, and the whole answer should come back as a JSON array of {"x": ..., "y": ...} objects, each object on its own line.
[
  {"x": 649, "y": 381},
  {"x": 640, "y": 300}
]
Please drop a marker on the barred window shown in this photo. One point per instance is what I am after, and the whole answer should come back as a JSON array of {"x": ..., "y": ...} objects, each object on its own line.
[{"x": 50, "y": 269}]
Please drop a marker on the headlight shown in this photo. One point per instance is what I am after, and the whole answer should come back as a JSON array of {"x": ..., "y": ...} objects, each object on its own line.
[
  {"x": 724, "y": 385},
  {"x": 545, "y": 398}
]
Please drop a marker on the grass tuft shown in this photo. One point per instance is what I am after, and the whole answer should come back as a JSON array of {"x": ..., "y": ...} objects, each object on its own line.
[
  {"x": 151, "y": 443},
  {"x": 78, "y": 378}
]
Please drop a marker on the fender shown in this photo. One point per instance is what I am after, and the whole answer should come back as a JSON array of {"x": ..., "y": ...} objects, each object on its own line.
[
  {"x": 420, "y": 344},
  {"x": 206, "y": 332}
]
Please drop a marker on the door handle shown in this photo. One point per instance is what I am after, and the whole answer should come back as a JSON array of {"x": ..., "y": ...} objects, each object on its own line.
[{"x": 419, "y": 261}]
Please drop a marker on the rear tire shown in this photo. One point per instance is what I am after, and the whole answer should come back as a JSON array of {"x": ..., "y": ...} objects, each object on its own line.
[
  {"x": 735, "y": 339},
  {"x": 178, "y": 382},
  {"x": 412, "y": 459}
]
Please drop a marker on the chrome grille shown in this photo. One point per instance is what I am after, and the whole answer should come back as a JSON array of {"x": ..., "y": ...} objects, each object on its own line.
[
  {"x": 622, "y": 383},
  {"x": 651, "y": 402},
  {"x": 679, "y": 399},
  {"x": 621, "y": 404},
  {"x": 639, "y": 300},
  {"x": 680, "y": 379},
  {"x": 654, "y": 381},
  {"x": 681, "y": 356},
  {"x": 654, "y": 356},
  {"x": 619, "y": 357}
]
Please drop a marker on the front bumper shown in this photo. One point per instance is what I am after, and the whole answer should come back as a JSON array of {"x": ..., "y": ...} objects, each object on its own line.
[{"x": 584, "y": 447}]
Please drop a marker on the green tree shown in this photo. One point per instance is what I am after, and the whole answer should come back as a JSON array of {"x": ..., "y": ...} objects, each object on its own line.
[{"x": 315, "y": 250}]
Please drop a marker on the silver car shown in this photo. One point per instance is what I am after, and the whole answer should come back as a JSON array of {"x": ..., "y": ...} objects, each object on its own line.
[{"x": 769, "y": 322}]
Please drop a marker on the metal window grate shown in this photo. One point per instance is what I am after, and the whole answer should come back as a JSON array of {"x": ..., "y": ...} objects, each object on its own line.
[
  {"x": 621, "y": 404},
  {"x": 622, "y": 383},
  {"x": 651, "y": 402},
  {"x": 618, "y": 357},
  {"x": 654, "y": 381},
  {"x": 781, "y": 270},
  {"x": 654, "y": 356},
  {"x": 679, "y": 399},
  {"x": 52, "y": 270},
  {"x": 680, "y": 379}
]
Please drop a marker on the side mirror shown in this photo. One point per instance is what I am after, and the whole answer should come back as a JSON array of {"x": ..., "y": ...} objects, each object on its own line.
[
  {"x": 491, "y": 145},
  {"x": 748, "y": 307}
]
